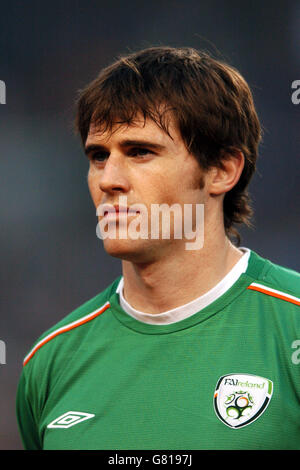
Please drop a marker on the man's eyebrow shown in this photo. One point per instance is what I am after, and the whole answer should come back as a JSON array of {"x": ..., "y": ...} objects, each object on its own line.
[
  {"x": 141, "y": 143},
  {"x": 126, "y": 143},
  {"x": 90, "y": 148}
]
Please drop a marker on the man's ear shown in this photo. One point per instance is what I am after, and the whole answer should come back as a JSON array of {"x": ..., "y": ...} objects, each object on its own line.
[{"x": 222, "y": 180}]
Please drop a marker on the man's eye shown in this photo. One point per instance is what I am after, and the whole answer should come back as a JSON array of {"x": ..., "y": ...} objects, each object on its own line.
[
  {"x": 99, "y": 157},
  {"x": 141, "y": 152}
]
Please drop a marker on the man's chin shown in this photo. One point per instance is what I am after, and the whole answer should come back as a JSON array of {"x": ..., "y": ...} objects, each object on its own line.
[{"x": 129, "y": 250}]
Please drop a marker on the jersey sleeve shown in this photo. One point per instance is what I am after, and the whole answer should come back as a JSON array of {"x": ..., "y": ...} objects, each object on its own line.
[{"x": 26, "y": 422}]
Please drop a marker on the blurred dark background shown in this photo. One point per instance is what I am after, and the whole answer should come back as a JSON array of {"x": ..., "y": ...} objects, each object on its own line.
[{"x": 51, "y": 259}]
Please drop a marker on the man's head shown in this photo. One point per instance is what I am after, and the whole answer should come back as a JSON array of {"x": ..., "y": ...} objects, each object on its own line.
[{"x": 209, "y": 102}]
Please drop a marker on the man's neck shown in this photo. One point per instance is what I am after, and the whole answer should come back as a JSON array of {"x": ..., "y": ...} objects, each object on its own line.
[{"x": 176, "y": 280}]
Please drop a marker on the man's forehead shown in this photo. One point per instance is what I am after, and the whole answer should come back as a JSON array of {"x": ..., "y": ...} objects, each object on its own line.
[{"x": 139, "y": 128}]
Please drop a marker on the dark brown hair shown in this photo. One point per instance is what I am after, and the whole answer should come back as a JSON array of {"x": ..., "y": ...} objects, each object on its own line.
[{"x": 210, "y": 101}]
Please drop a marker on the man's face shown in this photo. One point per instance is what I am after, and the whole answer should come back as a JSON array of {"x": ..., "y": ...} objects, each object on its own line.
[{"x": 147, "y": 166}]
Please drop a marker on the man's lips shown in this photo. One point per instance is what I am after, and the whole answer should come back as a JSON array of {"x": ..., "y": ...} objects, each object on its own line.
[{"x": 119, "y": 210}]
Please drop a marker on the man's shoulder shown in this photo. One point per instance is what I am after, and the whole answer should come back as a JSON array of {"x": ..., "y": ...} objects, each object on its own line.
[
  {"x": 276, "y": 280},
  {"x": 85, "y": 313},
  {"x": 285, "y": 278}
]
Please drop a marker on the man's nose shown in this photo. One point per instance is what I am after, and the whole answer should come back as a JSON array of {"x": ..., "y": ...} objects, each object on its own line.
[{"x": 114, "y": 175}]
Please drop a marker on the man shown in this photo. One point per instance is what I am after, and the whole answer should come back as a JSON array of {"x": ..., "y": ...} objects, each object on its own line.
[{"x": 191, "y": 348}]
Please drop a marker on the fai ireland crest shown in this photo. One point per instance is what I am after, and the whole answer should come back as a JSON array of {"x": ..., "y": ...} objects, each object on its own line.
[{"x": 240, "y": 399}]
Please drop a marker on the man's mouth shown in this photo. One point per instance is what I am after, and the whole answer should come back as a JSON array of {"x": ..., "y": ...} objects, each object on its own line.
[{"x": 119, "y": 210}]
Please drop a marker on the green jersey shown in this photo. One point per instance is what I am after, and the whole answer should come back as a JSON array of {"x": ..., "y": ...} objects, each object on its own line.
[{"x": 227, "y": 377}]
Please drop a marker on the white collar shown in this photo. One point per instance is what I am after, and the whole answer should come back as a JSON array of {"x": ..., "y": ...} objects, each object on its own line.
[{"x": 184, "y": 311}]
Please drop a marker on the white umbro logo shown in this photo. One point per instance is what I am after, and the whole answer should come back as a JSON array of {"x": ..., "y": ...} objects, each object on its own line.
[{"x": 70, "y": 419}]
